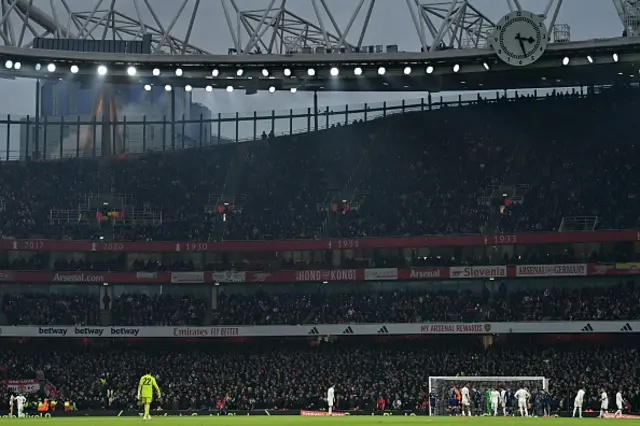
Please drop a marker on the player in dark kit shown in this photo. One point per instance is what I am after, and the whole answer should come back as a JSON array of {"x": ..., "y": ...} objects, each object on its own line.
[
  {"x": 453, "y": 403},
  {"x": 432, "y": 403},
  {"x": 476, "y": 399},
  {"x": 547, "y": 399}
]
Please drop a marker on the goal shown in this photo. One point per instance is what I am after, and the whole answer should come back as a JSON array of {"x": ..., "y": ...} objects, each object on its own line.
[{"x": 440, "y": 386}]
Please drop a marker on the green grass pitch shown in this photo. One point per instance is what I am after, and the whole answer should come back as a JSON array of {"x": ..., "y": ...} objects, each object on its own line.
[{"x": 307, "y": 421}]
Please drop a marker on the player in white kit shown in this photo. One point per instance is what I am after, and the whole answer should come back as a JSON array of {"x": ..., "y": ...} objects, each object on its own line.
[
  {"x": 20, "y": 400},
  {"x": 12, "y": 400},
  {"x": 495, "y": 398},
  {"x": 522, "y": 396},
  {"x": 466, "y": 401},
  {"x": 604, "y": 403},
  {"x": 577, "y": 403},
  {"x": 619, "y": 403},
  {"x": 330, "y": 399},
  {"x": 503, "y": 401}
]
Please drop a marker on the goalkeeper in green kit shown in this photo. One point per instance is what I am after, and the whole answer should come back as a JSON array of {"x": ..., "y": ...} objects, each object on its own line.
[{"x": 487, "y": 402}]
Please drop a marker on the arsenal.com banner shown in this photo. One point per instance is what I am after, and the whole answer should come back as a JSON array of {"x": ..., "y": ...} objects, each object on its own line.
[
  {"x": 541, "y": 327},
  {"x": 331, "y": 244},
  {"x": 320, "y": 276}
]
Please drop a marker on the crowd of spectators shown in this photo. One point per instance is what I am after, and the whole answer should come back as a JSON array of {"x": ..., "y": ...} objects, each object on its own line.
[
  {"x": 294, "y": 374},
  {"x": 595, "y": 299},
  {"x": 401, "y": 306},
  {"x": 425, "y": 172},
  {"x": 568, "y": 304},
  {"x": 594, "y": 180},
  {"x": 264, "y": 309},
  {"x": 84, "y": 309},
  {"x": 160, "y": 310},
  {"x": 50, "y": 309},
  {"x": 416, "y": 173}
]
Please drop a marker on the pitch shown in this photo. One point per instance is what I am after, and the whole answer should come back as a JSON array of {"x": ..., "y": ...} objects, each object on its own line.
[{"x": 304, "y": 421}]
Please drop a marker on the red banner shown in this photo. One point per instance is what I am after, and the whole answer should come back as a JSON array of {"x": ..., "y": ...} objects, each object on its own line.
[
  {"x": 318, "y": 275},
  {"x": 335, "y": 244}
]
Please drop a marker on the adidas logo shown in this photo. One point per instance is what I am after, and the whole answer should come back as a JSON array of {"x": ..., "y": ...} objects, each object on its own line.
[
  {"x": 348, "y": 330},
  {"x": 587, "y": 328},
  {"x": 627, "y": 327},
  {"x": 383, "y": 330},
  {"x": 314, "y": 330}
]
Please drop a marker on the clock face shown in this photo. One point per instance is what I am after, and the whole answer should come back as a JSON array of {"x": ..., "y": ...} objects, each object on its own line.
[{"x": 520, "y": 38}]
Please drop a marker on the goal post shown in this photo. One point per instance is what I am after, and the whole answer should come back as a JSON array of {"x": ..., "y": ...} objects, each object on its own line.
[{"x": 440, "y": 387}]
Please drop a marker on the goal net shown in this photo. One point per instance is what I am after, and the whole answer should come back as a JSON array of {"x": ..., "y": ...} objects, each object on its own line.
[{"x": 442, "y": 388}]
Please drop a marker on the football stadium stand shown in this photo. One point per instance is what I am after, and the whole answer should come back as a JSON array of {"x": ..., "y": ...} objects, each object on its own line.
[
  {"x": 480, "y": 176},
  {"x": 411, "y": 174}
]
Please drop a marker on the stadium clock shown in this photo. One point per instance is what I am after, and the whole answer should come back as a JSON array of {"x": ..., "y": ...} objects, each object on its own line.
[{"x": 520, "y": 38}]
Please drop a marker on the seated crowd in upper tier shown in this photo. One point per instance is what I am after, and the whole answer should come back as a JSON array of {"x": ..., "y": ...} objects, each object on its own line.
[{"x": 410, "y": 174}]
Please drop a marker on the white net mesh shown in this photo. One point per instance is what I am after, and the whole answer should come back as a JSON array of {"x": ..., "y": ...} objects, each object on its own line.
[{"x": 444, "y": 393}]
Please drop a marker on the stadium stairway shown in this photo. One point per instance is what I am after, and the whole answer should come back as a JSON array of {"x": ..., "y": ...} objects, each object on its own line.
[
  {"x": 229, "y": 194},
  {"x": 208, "y": 317},
  {"x": 3, "y": 317},
  {"x": 308, "y": 315},
  {"x": 511, "y": 185},
  {"x": 106, "y": 317},
  {"x": 234, "y": 173},
  {"x": 350, "y": 191}
]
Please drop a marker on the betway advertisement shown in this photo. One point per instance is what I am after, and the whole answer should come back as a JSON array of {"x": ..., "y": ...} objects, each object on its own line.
[
  {"x": 612, "y": 236},
  {"x": 323, "y": 276},
  {"x": 555, "y": 327}
]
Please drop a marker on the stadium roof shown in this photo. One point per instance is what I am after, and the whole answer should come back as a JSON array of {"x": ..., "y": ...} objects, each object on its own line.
[
  {"x": 594, "y": 62},
  {"x": 267, "y": 40}
]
